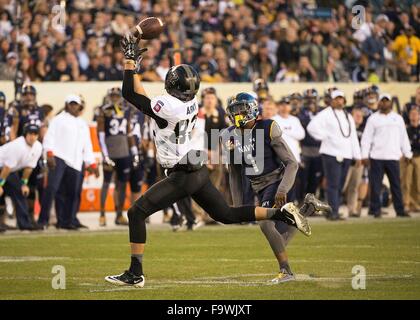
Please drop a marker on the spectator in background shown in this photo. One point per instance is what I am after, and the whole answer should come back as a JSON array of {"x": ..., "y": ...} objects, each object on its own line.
[
  {"x": 8, "y": 69},
  {"x": 318, "y": 56},
  {"x": 410, "y": 170},
  {"x": 291, "y": 127},
  {"x": 42, "y": 65},
  {"x": 407, "y": 48},
  {"x": 374, "y": 47},
  {"x": 242, "y": 71},
  {"x": 336, "y": 71},
  {"x": 339, "y": 146},
  {"x": 268, "y": 109},
  {"x": 288, "y": 74},
  {"x": 293, "y": 133},
  {"x": 163, "y": 67},
  {"x": 257, "y": 27},
  {"x": 214, "y": 120},
  {"x": 310, "y": 171},
  {"x": 111, "y": 72},
  {"x": 61, "y": 71},
  {"x": 384, "y": 141},
  {"x": 361, "y": 72},
  {"x": 68, "y": 145},
  {"x": 288, "y": 49},
  {"x": 353, "y": 191},
  {"x": 81, "y": 54},
  {"x": 95, "y": 71}
]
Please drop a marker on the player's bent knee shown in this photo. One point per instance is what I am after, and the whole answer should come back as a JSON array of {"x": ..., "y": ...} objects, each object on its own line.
[
  {"x": 144, "y": 207},
  {"x": 267, "y": 226},
  {"x": 133, "y": 213}
]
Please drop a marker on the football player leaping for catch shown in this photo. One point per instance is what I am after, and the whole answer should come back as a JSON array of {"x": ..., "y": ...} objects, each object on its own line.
[{"x": 175, "y": 114}]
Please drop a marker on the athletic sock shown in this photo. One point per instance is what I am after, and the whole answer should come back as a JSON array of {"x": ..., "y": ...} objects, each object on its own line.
[
  {"x": 102, "y": 213},
  {"x": 285, "y": 266},
  {"x": 136, "y": 266},
  {"x": 271, "y": 212}
]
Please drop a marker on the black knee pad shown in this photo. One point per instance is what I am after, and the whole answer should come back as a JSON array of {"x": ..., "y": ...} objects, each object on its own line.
[
  {"x": 133, "y": 212},
  {"x": 145, "y": 206},
  {"x": 137, "y": 224}
]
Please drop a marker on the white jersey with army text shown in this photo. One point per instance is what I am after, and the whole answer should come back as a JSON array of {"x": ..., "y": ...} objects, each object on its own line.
[{"x": 174, "y": 141}]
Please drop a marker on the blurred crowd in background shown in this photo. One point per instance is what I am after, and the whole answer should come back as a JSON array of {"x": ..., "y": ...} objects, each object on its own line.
[
  {"x": 342, "y": 157},
  {"x": 239, "y": 41}
]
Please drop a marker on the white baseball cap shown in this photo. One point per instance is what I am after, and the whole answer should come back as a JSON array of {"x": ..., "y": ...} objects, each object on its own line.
[
  {"x": 337, "y": 93},
  {"x": 73, "y": 98},
  {"x": 384, "y": 95}
]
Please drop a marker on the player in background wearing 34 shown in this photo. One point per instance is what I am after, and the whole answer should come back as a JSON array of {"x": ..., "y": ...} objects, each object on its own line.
[
  {"x": 175, "y": 114},
  {"x": 117, "y": 145}
]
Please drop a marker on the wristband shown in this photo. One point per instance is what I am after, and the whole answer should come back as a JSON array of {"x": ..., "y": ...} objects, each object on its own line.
[
  {"x": 24, "y": 181},
  {"x": 130, "y": 61},
  {"x": 2, "y": 182},
  {"x": 150, "y": 153}
]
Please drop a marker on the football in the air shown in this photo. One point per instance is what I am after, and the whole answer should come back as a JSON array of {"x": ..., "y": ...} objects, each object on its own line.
[{"x": 149, "y": 28}]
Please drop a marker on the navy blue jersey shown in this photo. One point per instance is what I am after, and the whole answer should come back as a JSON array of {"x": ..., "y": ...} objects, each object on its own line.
[
  {"x": 246, "y": 145},
  {"x": 115, "y": 119},
  {"x": 305, "y": 116},
  {"x": 27, "y": 115}
]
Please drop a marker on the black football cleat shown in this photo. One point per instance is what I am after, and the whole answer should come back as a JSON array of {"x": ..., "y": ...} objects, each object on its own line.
[
  {"x": 127, "y": 279},
  {"x": 290, "y": 215},
  {"x": 319, "y": 206}
]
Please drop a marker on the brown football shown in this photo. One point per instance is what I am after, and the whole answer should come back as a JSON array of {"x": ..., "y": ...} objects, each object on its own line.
[{"x": 149, "y": 28}]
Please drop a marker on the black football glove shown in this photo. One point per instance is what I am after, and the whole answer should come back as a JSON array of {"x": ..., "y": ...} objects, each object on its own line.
[{"x": 130, "y": 47}]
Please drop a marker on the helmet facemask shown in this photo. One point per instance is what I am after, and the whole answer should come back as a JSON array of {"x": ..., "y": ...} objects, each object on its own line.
[{"x": 241, "y": 112}]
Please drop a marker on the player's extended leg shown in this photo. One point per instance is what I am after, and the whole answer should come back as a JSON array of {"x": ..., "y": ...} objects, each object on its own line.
[
  {"x": 159, "y": 196},
  {"x": 171, "y": 189},
  {"x": 213, "y": 202}
]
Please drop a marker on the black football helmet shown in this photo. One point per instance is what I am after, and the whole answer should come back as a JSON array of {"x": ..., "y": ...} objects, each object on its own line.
[
  {"x": 242, "y": 109},
  {"x": 260, "y": 87},
  {"x": 30, "y": 128},
  {"x": 182, "y": 82},
  {"x": 309, "y": 94},
  {"x": 28, "y": 88},
  {"x": 115, "y": 91}
]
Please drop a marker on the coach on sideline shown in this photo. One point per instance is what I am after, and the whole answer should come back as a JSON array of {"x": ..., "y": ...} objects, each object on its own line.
[
  {"x": 21, "y": 153},
  {"x": 336, "y": 130},
  {"x": 384, "y": 141},
  {"x": 68, "y": 145}
]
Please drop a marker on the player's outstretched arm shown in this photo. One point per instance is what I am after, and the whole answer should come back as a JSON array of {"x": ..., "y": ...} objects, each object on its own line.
[{"x": 132, "y": 90}]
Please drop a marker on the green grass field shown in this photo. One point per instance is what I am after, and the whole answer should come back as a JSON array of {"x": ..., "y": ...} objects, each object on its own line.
[{"x": 223, "y": 262}]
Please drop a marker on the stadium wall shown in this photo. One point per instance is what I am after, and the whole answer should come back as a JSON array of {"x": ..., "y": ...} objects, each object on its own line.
[{"x": 54, "y": 92}]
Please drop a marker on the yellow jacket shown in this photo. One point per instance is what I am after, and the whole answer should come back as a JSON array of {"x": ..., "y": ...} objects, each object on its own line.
[{"x": 407, "y": 49}]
